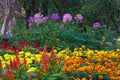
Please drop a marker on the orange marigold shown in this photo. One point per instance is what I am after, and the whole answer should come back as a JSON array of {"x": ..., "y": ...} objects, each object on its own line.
[
  {"x": 100, "y": 77},
  {"x": 118, "y": 72},
  {"x": 83, "y": 78}
]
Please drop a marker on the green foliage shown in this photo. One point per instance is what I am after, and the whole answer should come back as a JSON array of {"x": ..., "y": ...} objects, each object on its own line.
[
  {"x": 105, "y": 76},
  {"x": 67, "y": 6},
  {"x": 104, "y": 11},
  {"x": 70, "y": 36}
]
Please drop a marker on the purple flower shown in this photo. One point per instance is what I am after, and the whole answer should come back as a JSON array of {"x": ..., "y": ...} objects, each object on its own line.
[
  {"x": 45, "y": 18},
  {"x": 37, "y": 17},
  {"x": 79, "y": 17},
  {"x": 67, "y": 17},
  {"x": 54, "y": 16},
  {"x": 11, "y": 24},
  {"x": 29, "y": 20},
  {"x": 96, "y": 24}
]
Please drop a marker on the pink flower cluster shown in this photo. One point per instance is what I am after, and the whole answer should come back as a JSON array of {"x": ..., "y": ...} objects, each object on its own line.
[
  {"x": 79, "y": 17},
  {"x": 37, "y": 18},
  {"x": 67, "y": 17},
  {"x": 96, "y": 25}
]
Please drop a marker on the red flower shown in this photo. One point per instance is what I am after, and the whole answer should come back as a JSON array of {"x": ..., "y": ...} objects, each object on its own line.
[
  {"x": 9, "y": 73},
  {"x": 14, "y": 48},
  {"x": 17, "y": 60},
  {"x": 25, "y": 61},
  {"x": 11, "y": 63},
  {"x": 37, "y": 75},
  {"x": 6, "y": 44},
  {"x": 44, "y": 58},
  {"x": 55, "y": 37},
  {"x": 36, "y": 45},
  {"x": 5, "y": 39},
  {"x": 47, "y": 48},
  {"x": 44, "y": 67},
  {"x": 52, "y": 54},
  {"x": 41, "y": 49},
  {"x": 21, "y": 44}
]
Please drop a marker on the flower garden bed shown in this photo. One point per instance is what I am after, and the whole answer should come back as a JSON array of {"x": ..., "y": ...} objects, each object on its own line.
[
  {"x": 66, "y": 60},
  {"x": 29, "y": 63}
]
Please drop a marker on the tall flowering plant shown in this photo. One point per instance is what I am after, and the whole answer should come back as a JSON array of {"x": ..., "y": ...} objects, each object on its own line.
[
  {"x": 37, "y": 19},
  {"x": 50, "y": 66},
  {"x": 79, "y": 17},
  {"x": 96, "y": 24},
  {"x": 54, "y": 16},
  {"x": 66, "y": 17}
]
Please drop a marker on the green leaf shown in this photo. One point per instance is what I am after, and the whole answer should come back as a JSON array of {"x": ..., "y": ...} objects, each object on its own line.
[
  {"x": 56, "y": 74},
  {"x": 51, "y": 78}
]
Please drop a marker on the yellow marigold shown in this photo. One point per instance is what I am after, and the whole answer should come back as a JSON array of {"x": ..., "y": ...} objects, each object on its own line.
[
  {"x": 7, "y": 56},
  {"x": 66, "y": 57},
  {"x": 3, "y": 64},
  {"x": 21, "y": 52},
  {"x": 60, "y": 55},
  {"x": 1, "y": 58},
  {"x": 28, "y": 54},
  {"x": 31, "y": 69},
  {"x": 21, "y": 60},
  {"x": 75, "y": 49},
  {"x": 55, "y": 51},
  {"x": 83, "y": 46},
  {"x": 28, "y": 60},
  {"x": 38, "y": 57}
]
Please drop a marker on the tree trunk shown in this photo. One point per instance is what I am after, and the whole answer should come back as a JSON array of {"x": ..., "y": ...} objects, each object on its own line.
[
  {"x": 4, "y": 25},
  {"x": 5, "y": 20}
]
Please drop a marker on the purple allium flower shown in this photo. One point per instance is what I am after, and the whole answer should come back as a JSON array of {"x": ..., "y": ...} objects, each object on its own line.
[
  {"x": 11, "y": 24},
  {"x": 96, "y": 24},
  {"x": 54, "y": 16},
  {"x": 67, "y": 17},
  {"x": 79, "y": 17}
]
